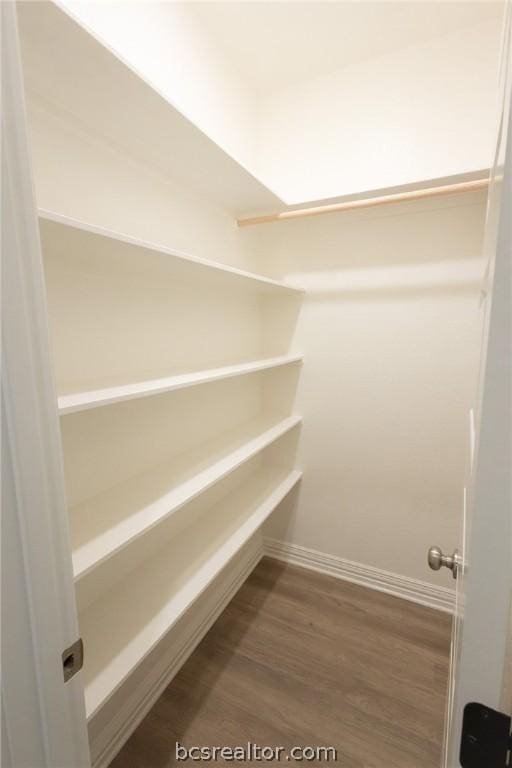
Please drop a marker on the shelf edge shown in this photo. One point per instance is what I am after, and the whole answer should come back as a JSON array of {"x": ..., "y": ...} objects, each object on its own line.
[
  {"x": 92, "y": 229},
  {"x": 84, "y": 401}
]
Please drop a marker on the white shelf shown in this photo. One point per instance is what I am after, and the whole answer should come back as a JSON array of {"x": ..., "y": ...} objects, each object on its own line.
[
  {"x": 74, "y": 73},
  {"x": 117, "y": 637},
  {"x": 83, "y": 401},
  {"x": 80, "y": 237},
  {"x": 102, "y": 526}
]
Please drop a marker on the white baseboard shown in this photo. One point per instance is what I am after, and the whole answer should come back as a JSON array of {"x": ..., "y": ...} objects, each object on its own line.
[
  {"x": 416, "y": 591},
  {"x": 115, "y": 726}
]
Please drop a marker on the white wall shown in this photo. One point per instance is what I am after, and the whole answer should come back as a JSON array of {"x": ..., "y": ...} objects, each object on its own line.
[
  {"x": 164, "y": 43},
  {"x": 389, "y": 331},
  {"x": 423, "y": 112}
]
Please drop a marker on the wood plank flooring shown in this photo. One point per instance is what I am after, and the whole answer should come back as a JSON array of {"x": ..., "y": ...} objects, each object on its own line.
[{"x": 299, "y": 658}]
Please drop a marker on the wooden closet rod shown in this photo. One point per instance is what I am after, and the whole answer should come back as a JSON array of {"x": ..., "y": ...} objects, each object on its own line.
[{"x": 369, "y": 202}]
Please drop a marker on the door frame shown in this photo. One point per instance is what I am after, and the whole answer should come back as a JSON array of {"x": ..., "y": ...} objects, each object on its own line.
[{"x": 43, "y": 718}]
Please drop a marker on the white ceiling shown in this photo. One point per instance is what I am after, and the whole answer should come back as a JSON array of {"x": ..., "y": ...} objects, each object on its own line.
[{"x": 277, "y": 43}]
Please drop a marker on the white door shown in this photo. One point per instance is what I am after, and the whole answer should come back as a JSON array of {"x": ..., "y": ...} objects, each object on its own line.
[
  {"x": 43, "y": 717},
  {"x": 484, "y": 584}
]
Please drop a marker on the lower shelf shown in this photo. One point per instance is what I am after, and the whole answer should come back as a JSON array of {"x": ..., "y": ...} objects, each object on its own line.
[
  {"x": 121, "y": 628},
  {"x": 101, "y": 526}
]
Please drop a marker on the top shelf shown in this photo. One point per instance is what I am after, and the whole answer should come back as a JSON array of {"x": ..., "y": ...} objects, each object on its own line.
[
  {"x": 72, "y": 72},
  {"x": 77, "y": 237}
]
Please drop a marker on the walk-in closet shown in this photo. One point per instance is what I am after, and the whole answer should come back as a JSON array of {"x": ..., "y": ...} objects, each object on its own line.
[{"x": 266, "y": 234}]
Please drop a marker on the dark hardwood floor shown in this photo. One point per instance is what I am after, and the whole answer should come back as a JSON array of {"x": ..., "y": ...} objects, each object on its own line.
[{"x": 299, "y": 658}]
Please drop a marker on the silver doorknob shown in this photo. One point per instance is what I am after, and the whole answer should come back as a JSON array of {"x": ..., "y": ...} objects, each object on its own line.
[{"x": 436, "y": 560}]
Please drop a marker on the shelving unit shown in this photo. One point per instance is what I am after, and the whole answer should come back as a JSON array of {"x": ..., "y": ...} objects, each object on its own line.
[
  {"x": 148, "y": 537},
  {"x": 175, "y": 374},
  {"x": 108, "y": 522},
  {"x": 164, "y": 589},
  {"x": 148, "y": 532}
]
